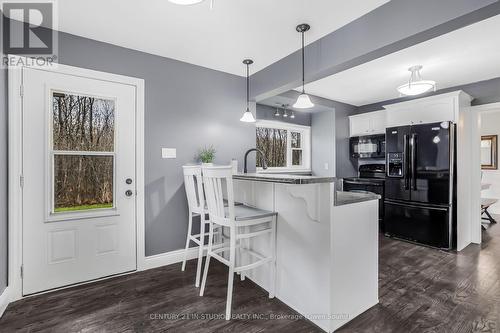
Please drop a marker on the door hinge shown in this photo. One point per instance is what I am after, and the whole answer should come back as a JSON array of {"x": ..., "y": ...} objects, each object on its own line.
[
  {"x": 21, "y": 90},
  {"x": 21, "y": 181},
  {"x": 22, "y": 272}
]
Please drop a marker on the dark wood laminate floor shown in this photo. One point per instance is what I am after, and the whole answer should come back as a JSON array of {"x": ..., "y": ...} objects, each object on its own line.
[{"x": 421, "y": 290}]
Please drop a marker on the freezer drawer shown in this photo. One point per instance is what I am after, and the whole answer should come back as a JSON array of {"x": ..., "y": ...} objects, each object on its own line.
[{"x": 426, "y": 225}]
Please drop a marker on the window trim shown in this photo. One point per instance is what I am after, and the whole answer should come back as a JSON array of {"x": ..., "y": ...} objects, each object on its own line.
[
  {"x": 50, "y": 214},
  {"x": 306, "y": 146}
]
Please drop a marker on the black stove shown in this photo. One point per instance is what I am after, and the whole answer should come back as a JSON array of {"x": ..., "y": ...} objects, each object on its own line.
[{"x": 371, "y": 179}]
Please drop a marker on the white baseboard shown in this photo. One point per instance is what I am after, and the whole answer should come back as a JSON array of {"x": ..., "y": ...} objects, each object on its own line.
[
  {"x": 169, "y": 258},
  {"x": 4, "y": 301}
]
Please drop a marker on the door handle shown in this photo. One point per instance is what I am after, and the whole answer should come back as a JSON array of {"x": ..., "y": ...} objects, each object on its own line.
[
  {"x": 414, "y": 162},
  {"x": 129, "y": 193},
  {"x": 405, "y": 162}
]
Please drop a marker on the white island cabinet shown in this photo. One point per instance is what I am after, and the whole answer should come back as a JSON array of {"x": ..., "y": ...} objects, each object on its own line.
[{"x": 327, "y": 249}]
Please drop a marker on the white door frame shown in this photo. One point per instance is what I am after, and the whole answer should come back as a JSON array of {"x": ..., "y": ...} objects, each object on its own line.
[
  {"x": 15, "y": 112},
  {"x": 475, "y": 147}
]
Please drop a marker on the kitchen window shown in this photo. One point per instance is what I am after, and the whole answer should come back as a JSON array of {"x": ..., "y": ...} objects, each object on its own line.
[{"x": 287, "y": 147}]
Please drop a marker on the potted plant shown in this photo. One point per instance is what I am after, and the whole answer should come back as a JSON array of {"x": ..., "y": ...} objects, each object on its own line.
[{"x": 207, "y": 155}]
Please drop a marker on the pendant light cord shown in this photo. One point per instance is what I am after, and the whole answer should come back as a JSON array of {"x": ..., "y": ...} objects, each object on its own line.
[
  {"x": 303, "y": 65},
  {"x": 248, "y": 87}
]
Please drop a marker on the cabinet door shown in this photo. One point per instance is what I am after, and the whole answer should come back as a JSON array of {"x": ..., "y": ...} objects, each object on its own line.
[
  {"x": 359, "y": 125},
  {"x": 377, "y": 122}
]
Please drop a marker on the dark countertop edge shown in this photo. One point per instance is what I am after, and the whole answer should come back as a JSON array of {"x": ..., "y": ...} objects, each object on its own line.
[
  {"x": 348, "y": 198},
  {"x": 278, "y": 179}
]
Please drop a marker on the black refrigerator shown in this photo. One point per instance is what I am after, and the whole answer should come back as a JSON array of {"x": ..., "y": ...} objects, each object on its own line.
[{"x": 420, "y": 184}]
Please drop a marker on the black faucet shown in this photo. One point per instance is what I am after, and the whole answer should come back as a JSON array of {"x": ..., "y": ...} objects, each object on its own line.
[{"x": 264, "y": 162}]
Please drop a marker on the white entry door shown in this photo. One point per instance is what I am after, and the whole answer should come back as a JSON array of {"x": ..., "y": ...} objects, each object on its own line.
[{"x": 79, "y": 175}]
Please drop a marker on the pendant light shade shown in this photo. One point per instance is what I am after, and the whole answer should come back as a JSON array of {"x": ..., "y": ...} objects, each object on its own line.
[
  {"x": 416, "y": 85},
  {"x": 248, "y": 116},
  {"x": 303, "y": 101}
]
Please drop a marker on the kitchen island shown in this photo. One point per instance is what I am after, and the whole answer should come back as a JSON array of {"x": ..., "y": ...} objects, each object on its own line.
[{"x": 327, "y": 245}]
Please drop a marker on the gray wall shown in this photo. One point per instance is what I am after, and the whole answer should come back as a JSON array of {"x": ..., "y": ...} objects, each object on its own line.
[
  {"x": 344, "y": 165},
  {"x": 265, "y": 112},
  {"x": 3, "y": 180},
  {"x": 186, "y": 107},
  {"x": 323, "y": 143}
]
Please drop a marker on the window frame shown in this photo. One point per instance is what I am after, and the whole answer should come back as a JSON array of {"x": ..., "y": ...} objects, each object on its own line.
[
  {"x": 305, "y": 133},
  {"x": 50, "y": 214}
]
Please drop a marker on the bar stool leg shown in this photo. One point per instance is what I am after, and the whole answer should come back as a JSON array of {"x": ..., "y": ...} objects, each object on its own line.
[
  {"x": 207, "y": 262},
  {"x": 232, "y": 259},
  {"x": 272, "y": 270},
  {"x": 190, "y": 224},
  {"x": 243, "y": 245},
  {"x": 200, "y": 250}
]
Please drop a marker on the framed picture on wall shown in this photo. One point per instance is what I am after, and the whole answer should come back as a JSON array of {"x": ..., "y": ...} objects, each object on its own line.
[{"x": 489, "y": 152}]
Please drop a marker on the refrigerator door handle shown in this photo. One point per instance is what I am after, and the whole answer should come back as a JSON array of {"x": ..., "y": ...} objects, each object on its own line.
[
  {"x": 413, "y": 161},
  {"x": 405, "y": 161}
]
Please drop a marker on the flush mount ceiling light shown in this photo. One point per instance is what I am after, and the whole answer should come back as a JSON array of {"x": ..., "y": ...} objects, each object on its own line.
[
  {"x": 186, "y": 2},
  {"x": 190, "y": 2},
  {"x": 303, "y": 101},
  {"x": 248, "y": 116},
  {"x": 416, "y": 85}
]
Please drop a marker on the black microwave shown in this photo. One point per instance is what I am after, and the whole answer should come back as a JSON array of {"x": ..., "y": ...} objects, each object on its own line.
[{"x": 372, "y": 146}]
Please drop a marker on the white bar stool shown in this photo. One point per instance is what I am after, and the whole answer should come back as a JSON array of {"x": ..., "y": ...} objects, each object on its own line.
[
  {"x": 196, "y": 202},
  {"x": 236, "y": 218}
]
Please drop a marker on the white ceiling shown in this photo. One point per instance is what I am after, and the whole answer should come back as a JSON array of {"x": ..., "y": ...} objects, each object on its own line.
[
  {"x": 464, "y": 56},
  {"x": 218, "y": 39}
]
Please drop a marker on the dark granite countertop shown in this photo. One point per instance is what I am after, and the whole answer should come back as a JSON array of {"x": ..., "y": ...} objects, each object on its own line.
[
  {"x": 347, "y": 198},
  {"x": 283, "y": 178}
]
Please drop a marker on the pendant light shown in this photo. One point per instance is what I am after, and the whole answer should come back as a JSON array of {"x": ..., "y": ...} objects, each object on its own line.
[
  {"x": 292, "y": 116},
  {"x": 248, "y": 116},
  {"x": 285, "y": 115},
  {"x": 303, "y": 101},
  {"x": 416, "y": 85},
  {"x": 277, "y": 113}
]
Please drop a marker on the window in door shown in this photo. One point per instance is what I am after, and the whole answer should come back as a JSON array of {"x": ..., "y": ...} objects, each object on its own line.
[
  {"x": 287, "y": 147},
  {"x": 82, "y": 152}
]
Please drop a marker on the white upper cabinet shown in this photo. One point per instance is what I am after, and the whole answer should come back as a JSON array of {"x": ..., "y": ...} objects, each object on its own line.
[
  {"x": 427, "y": 110},
  {"x": 370, "y": 123}
]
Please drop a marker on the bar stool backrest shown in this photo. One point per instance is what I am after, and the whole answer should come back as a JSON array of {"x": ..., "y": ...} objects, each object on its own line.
[
  {"x": 193, "y": 184},
  {"x": 219, "y": 180}
]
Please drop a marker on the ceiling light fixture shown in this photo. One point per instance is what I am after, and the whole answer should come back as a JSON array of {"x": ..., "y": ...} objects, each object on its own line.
[
  {"x": 277, "y": 113},
  {"x": 416, "y": 85},
  {"x": 248, "y": 116},
  {"x": 285, "y": 106},
  {"x": 186, "y": 2},
  {"x": 293, "y": 115},
  {"x": 303, "y": 101}
]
